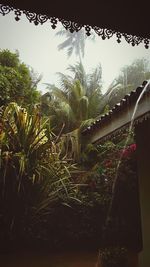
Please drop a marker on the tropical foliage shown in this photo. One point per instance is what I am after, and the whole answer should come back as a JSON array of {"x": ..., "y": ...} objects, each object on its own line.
[
  {"x": 74, "y": 105},
  {"x": 54, "y": 184},
  {"x": 78, "y": 98},
  {"x": 85, "y": 224},
  {"x": 34, "y": 178}
]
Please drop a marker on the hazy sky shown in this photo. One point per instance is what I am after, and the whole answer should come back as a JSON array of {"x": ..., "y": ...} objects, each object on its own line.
[{"x": 37, "y": 46}]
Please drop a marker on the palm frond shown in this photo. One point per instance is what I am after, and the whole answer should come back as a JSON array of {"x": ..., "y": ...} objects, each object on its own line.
[
  {"x": 65, "y": 44},
  {"x": 60, "y": 95},
  {"x": 70, "y": 51}
]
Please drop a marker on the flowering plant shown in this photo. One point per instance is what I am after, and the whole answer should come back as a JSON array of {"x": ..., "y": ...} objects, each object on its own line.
[{"x": 127, "y": 152}]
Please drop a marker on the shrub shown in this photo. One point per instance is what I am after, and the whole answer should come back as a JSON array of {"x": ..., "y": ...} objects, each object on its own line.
[{"x": 34, "y": 178}]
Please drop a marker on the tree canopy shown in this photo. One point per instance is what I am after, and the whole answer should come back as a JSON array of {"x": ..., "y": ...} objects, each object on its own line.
[
  {"x": 18, "y": 82},
  {"x": 131, "y": 76},
  {"x": 134, "y": 74}
]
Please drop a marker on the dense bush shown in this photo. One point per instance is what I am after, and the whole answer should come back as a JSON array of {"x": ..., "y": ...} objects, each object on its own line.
[{"x": 45, "y": 197}]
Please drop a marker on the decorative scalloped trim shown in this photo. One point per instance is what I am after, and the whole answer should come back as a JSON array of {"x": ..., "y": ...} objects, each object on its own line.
[{"x": 73, "y": 26}]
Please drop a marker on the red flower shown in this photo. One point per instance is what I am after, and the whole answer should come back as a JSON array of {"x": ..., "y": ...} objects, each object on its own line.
[
  {"x": 133, "y": 147},
  {"x": 129, "y": 150}
]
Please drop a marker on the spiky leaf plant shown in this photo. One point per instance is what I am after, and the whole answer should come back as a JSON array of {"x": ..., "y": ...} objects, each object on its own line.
[{"x": 34, "y": 178}]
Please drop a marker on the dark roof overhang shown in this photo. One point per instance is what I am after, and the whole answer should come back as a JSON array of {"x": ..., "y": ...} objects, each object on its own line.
[
  {"x": 128, "y": 20},
  {"x": 121, "y": 115}
]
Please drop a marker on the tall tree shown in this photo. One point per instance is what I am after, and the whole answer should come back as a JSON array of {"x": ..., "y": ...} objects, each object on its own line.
[
  {"x": 74, "y": 105},
  {"x": 134, "y": 74},
  {"x": 74, "y": 42},
  {"x": 78, "y": 98},
  {"x": 18, "y": 83}
]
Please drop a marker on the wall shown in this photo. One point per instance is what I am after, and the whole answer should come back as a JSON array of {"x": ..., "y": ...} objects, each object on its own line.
[{"x": 143, "y": 153}]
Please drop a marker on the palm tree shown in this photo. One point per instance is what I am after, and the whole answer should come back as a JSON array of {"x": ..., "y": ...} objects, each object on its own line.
[
  {"x": 75, "y": 42},
  {"x": 109, "y": 96},
  {"x": 78, "y": 98},
  {"x": 115, "y": 92},
  {"x": 77, "y": 102},
  {"x": 90, "y": 81}
]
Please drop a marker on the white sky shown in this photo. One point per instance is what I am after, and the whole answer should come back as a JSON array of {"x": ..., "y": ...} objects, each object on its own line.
[{"x": 37, "y": 46}]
